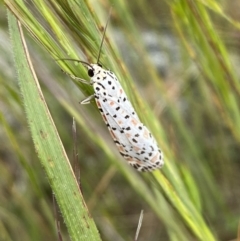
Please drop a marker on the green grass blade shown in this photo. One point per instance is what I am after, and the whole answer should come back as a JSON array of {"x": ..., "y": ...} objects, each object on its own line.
[{"x": 48, "y": 144}]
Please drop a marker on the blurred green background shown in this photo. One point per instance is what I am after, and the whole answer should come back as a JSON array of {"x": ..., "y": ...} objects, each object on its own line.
[{"x": 179, "y": 64}]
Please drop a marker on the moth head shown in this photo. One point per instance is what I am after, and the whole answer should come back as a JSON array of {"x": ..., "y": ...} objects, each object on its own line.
[
  {"x": 93, "y": 68},
  {"x": 90, "y": 72}
]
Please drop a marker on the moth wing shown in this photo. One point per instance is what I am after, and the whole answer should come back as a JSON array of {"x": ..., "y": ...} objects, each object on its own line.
[
  {"x": 115, "y": 90},
  {"x": 136, "y": 144}
]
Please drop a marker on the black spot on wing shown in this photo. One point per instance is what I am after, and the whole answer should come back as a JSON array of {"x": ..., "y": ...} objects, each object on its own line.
[
  {"x": 134, "y": 140},
  {"x": 117, "y": 142},
  {"x": 101, "y": 85}
]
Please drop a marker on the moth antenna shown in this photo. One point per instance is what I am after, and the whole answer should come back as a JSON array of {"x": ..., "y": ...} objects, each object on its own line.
[
  {"x": 77, "y": 60},
  {"x": 104, "y": 33}
]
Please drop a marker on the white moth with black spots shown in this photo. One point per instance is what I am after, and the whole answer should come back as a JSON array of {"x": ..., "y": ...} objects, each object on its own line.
[{"x": 133, "y": 140}]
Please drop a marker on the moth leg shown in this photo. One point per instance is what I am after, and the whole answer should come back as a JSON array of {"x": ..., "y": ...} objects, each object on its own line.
[
  {"x": 78, "y": 79},
  {"x": 87, "y": 100}
]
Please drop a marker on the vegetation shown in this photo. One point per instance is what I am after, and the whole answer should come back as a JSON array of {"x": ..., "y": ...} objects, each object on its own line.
[{"x": 191, "y": 106}]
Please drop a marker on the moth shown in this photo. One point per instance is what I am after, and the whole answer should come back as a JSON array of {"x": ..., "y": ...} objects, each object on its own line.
[{"x": 132, "y": 138}]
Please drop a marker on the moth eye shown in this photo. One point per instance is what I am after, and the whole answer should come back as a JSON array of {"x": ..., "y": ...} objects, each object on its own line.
[{"x": 90, "y": 73}]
